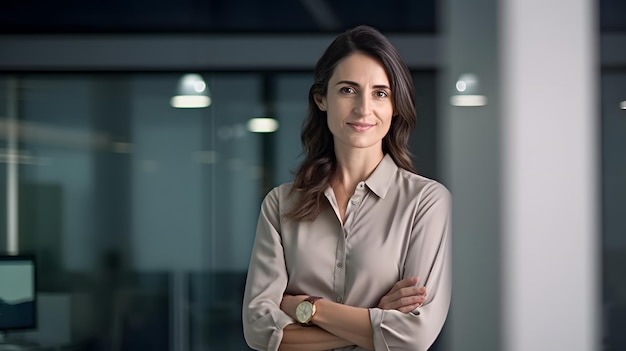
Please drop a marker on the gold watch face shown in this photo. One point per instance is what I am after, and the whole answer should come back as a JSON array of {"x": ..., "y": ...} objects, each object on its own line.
[{"x": 304, "y": 311}]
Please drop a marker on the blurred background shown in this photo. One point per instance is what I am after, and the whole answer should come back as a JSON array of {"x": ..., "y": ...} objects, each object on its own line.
[{"x": 138, "y": 139}]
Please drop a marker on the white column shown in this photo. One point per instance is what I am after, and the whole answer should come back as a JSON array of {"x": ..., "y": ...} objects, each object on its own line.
[
  {"x": 551, "y": 274},
  {"x": 523, "y": 171}
]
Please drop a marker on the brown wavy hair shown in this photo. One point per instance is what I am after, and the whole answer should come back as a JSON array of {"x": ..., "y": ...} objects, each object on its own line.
[{"x": 320, "y": 164}]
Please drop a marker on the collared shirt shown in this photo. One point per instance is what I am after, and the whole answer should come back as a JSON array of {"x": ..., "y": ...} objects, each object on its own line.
[{"x": 397, "y": 226}]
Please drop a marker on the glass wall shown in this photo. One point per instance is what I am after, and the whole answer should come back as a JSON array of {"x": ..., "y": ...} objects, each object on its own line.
[{"x": 141, "y": 215}]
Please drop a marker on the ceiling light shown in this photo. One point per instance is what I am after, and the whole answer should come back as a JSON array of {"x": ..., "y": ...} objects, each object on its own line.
[
  {"x": 461, "y": 86},
  {"x": 191, "y": 92},
  {"x": 262, "y": 125},
  {"x": 467, "y": 83},
  {"x": 468, "y": 100},
  {"x": 468, "y": 92},
  {"x": 623, "y": 105}
]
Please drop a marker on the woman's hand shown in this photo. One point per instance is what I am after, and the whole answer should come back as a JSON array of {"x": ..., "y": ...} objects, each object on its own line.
[
  {"x": 290, "y": 302},
  {"x": 404, "y": 296}
]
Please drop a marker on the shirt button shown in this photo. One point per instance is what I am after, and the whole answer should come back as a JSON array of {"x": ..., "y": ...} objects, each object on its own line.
[
  {"x": 355, "y": 202},
  {"x": 339, "y": 265},
  {"x": 360, "y": 185},
  {"x": 338, "y": 299}
]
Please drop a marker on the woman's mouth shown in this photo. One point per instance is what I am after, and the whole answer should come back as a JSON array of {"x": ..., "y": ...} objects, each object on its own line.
[{"x": 360, "y": 127}]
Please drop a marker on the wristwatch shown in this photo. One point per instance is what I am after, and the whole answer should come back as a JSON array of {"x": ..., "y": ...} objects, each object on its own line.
[{"x": 306, "y": 310}]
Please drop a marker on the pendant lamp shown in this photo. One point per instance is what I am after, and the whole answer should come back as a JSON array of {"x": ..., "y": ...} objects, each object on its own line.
[{"x": 191, "y": 92}]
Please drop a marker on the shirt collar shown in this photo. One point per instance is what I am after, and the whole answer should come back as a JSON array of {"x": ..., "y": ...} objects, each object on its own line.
[{"x": 380, "y": 180}]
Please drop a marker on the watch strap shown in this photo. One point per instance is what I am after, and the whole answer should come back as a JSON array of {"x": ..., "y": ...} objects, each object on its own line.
[{"x": 312, "y": 299}]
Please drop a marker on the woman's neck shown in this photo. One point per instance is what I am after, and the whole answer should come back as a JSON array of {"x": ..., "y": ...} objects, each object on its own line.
[{"x": 354, "y": 167}]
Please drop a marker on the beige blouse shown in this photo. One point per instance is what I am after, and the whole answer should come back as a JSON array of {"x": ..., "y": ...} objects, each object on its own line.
[{"x": 397, "y": 226}]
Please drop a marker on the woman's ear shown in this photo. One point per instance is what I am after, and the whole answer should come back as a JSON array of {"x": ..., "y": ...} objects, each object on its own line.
[{"x": 320, "y": 101}]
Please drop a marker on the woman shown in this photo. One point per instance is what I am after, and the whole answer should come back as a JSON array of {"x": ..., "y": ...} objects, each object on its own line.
[{"x": 354, "y": 253}]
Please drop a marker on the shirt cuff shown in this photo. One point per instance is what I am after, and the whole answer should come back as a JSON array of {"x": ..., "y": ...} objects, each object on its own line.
[
  {"x": 376, "y": 318},
  {"x": 281, "y": 320}
]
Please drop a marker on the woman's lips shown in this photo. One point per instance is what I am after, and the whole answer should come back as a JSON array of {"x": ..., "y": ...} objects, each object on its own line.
[{"x": 360, "y": 127}]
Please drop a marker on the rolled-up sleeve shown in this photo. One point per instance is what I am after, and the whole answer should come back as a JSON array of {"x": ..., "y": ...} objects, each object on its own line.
[
  {"x": 428, "y": 258},
  {"x": 263, "y": 320}
]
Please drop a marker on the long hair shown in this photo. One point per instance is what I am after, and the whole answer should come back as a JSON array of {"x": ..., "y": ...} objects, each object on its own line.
[{"x": 320, "y": 164}]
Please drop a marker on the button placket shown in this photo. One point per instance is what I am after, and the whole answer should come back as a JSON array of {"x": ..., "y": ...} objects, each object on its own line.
[
  {"x": 358, "y": 195},
  {"x": 356, "y": 202},
  {"x": 340, "y": 274}
]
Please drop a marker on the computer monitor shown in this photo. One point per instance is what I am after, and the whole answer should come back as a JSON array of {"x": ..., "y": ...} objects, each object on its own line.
[{"x": 18, "y": 293}]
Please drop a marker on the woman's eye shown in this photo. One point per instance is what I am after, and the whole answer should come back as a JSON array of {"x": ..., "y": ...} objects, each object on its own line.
[
  {"x": 347, "y": 90},
  {"x": 381, "y": 94}
]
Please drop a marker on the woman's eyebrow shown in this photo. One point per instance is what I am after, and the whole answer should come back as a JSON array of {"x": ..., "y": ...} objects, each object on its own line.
[{"x": 349, "y": 82}]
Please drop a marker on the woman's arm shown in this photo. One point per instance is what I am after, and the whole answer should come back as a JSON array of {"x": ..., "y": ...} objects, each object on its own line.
[
  {"x": 263, "y": 320},
  {"x": 428, "y": 257},
  {"x": 346, "y": 322},
  {"x": 265, "y": 325},
  {"x": 299, "y": 338},
  {"x": 341, "y": 323},
  {"x": 404, "y": 296}
]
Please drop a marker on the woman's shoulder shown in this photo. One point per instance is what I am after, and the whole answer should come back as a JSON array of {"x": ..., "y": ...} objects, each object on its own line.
[
  {"x": 280, "y": 194},
  {"x": 421, "y": 184},
  {"x": 281, "y": 191},
  {"x": 280, "y": 199}
]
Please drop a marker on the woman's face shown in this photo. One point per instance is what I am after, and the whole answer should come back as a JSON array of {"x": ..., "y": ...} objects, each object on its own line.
[{"x": 358, "y": 103}]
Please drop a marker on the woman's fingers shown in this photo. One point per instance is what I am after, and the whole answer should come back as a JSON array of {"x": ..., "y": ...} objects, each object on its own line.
[
  {"x": 409, "y": 308},
  {"x": 407, "y": 292},
  {"x": 406, "y": 302},
  {"x": 405, "y": 298},
  {"x": 404, "y": 283},
  {"x": 401, "y": 284}
]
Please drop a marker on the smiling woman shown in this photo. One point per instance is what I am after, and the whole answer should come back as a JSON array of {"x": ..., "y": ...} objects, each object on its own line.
[
  {"x": 312, "y": 283},
  {"x": 358, "y": 104}
]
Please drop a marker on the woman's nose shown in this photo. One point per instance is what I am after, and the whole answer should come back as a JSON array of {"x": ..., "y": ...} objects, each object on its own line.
[{"x": 363, "y": 105}]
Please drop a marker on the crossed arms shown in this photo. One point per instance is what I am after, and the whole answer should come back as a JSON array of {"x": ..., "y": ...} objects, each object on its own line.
[{"x": 338, "y": 325}]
